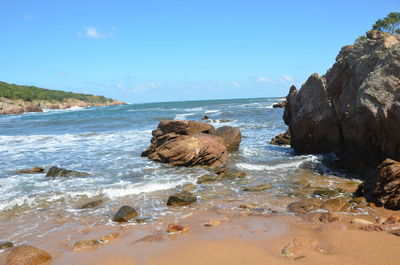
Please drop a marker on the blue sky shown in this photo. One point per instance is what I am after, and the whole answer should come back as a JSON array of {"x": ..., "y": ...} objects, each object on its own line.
[{"x": 149, "y": 51}]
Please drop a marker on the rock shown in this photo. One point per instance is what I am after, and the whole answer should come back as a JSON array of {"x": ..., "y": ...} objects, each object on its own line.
[
  {"x": 110, "y": 237},
  {"x": 27, "y": 255},
  {"x": 227, "y": 174},
  {"x": 360, "y": 221},
  {"x": 259, "y": 187},
  {"x": 311, "y": 217},
  {"x": 328, "y": 227},
  {"x": 380, "y": 219},
  {"x": 249, "y": 206},
  {"x": 302, "y": 245},
  {"x": 305, "y": 205},
  {"x": 174, "y": 228},
  {"x": 329, "y": 217},
  {"x": 181, "y": 199},
  {"x": 353, "y": 110},
  {"x": 326, "y": 193},
  {"x": 183, "y": 128},
  {"x": 188, "y": 187},
  {"x": 392, "y": 219},
  {"x": 359, "y": 201},
  {"x": 383, "y": 185},
  {"x": 6, "y": 244},
  {"x": 232, "y": 137},
  {"x": 372, "y": 228},
  {"x": 124, "y": 214},
  {"x": 34, "y": 170},
  {"x": 56, "y": 172},
  {"x": 395, "y": 232},
  {"x": 279, "y": 104},
  {"x": 142, "y": 220},
  {"x": 86, "y": 245},
  {"x": 205, "y": 118},
  {"x": 336, "y": 205},
  {"x": 92, "y": 204},
  {"x": 281, "y": 139}
]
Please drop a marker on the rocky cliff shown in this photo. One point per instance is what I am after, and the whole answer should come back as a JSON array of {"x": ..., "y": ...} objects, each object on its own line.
[{"x": 354, "y": 109}]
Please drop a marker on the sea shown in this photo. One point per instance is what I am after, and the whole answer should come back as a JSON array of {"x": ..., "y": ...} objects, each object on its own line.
[{"x": 107, "y": 142}]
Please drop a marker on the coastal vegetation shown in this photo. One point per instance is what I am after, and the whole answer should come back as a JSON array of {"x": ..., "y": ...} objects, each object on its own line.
[{"x": 30, "y": 93}]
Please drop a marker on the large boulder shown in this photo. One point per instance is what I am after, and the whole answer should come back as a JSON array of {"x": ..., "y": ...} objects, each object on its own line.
[
  {"x": 232, "y": 137},
  {"x": 353, "y": 110},
  {"x": 383, "y": 186},
  {"x": 281, "y": 139},
  {"x": 191, "y": 144},
  {"x": 27, "y": 255}
]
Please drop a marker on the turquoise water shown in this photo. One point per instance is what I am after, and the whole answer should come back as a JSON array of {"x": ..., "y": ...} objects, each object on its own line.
[{"x": 107, "y": 143}]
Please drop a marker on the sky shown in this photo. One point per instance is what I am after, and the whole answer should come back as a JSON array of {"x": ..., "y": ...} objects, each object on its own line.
[{"x": 153, "y": 51}]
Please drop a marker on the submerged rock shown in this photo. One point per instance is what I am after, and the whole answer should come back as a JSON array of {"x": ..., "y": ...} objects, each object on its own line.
[
  {"x": 174, "y": 228},
  {"x": 6, "y": 244},
  {"x": 124, "y": 214},
  {"x": 305, "y": 205},
  {"x": 302, "y": 245},
  {"x": 281, "y": 139},
  {"x": 232, "y": 137},
  {"x": 326, "y": 193},
  {"x": 383, "y": 186},
  {"x": 92, "y": 204},
  {"x": 226, "y": 174},
  {"x": 353, "y": 110},
  {"x": 34, "y": 170},
  {"x": 27, "y": 255},
  {"x": 181, "y": 199},
  {"x": 336, "y": 205},
  {"x": 259, "y": 187},
  {"x": 56, "y": 172}
]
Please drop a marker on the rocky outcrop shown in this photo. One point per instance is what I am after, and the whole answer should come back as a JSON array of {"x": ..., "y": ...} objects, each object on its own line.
[
  {"x": 354, "y": 109},
  {"x": 383, "y": 186},
  {"x": 281, "y": 139},
  {"x": 190, "y": 143},
  {"x": 56, "y": 172},
  {"x": 16, "y": 106},
  {"x": 232, "y": 137}
]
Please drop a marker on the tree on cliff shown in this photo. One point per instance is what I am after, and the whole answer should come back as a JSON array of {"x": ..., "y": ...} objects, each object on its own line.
[{"x": 390, "y": 24}]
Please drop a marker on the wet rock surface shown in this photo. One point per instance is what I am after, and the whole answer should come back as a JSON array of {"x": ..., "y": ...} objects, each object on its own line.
[
  {"x": 232, "y": 137},
  {"x": 124, "y": 214},
  {"x": 305, "y": 205},
  {"x": 27, "y": 255},
  {"x": 181, "y": 199},
  {"x": 281, "y": 139},
  {"x": 175, "y": 228},
  {"x": 92, "y": 204},
  {"x": 34, "y": 170},
  {"x": 56, "y": 172},
  {"x": 6, "y": 244}
]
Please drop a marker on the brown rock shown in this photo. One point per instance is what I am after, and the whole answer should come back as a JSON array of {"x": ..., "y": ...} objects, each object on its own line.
[
  {"x": 302, "y": 245},
  {"x": 188, "y": 187},
  {"x": 281, "y": 139},
  {"x": 27, "y": 255},
  {"x": 6, "y": 244},
  {"x": 181, "y": 199},
  {"x": 86, "y": 245},
  {"x": 383, "y": 185},
  {"x": 232, "y": 137},
  {"x": 392, "y": 219},
  {"x": 56, "y": 172},
  {"x": 124, "y": 214},
  {"x": 261, "y": 187},
  {"x": 92, "y": 204},
  {"x": 329, "y": 217},
  {"x": 279, "y": 104},
  {"x": 183, "y": 128},
  {"x": 361, "y": 221},
  {"x": 336, "y": 205},
  {"x": 174, "y": 228},
  {"x": 305, "y": 205},
  {"x": 33, "y": 170}
]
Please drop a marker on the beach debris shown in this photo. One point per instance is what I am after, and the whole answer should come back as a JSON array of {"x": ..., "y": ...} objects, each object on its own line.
[
  {"x": 6, "y": 244},
  {"x": 181, "y": 199},
  {"x": 34, "y": 170},
  {"x": 175, "y": 228},
  {"x": 92, "y": 204},
  {"x": 232, "y": 137},
  {"x": 305, "y": 205},
  {"x": 301, "y": 246},
  {"x": 56, "y": 172},
  {"x": 27, "y": 255},
  {"x": 124, "y": 214},
  {"x": 281, "y": 139},
  {"x": 360, "y": 221},
  {"x": 261, "y": 187}
]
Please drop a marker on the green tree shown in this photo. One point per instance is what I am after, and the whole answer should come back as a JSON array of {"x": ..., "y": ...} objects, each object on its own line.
[{"x": 390, "y": 24}]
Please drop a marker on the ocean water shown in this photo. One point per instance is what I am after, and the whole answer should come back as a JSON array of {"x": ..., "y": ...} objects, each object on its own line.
[{"x": 107, "y": 142}]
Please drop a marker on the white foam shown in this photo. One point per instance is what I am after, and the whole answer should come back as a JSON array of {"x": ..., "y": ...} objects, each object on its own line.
[
  {"x": 183, "y": 116},
  {"x": 213, "y": 111},
  {"x": 289, "y": 165}
]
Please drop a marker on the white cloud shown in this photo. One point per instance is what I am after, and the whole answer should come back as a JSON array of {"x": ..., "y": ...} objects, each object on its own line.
[
  {"x": 28, "y": 16},
  {"x": 94, "y": 33},
  {"x": 235, "y": 84},
  {"x": 263, "y": 80},
  {"x": 147, "y": 86},
  {"x": 286, "y": 78}
]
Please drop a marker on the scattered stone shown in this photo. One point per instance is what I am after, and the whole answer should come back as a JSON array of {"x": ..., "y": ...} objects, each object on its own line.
[
  {"x": 86, "y": 245},
  {"x": 205, "y": 118},
  {"x": 248, "y": 206},
  {"x": 281, "y": 139},
  {"x": 56, "y": 172},
  {"x": 329, "y": 217},
  {"x": 360, "y": 221},
  {"x": 226, "y": 174},
  {"x": 174, "y": 228},
  {"x": 232, "y": 174},
  {"x": 302, "y": 245},
  {"x": 34, "y": 170},
  {"x": 382, "y": 187},
  {"x": 142, "y": 220},
  {"x": 305, "y": 205},
  {"x": 232, "y": 137},
  {"x": 208, "y": 179},
  {"x": 92, "y": 204},
  {"x": 326, "y": 193},
  {"x": 188, "y": 187},
  {"x": 336, "y": 205},
  {"x": 108, "y": 238},
  {"x": 124, "y": 214},
  {"x": 328, "y": 227},
  {"x": 181, "y": 199},
  {"x": 6, "y": 244},
  {"x": 27, "y": 255},
  {"x": 215, "y": 222},
  {"x": 259, "y": 187}
]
